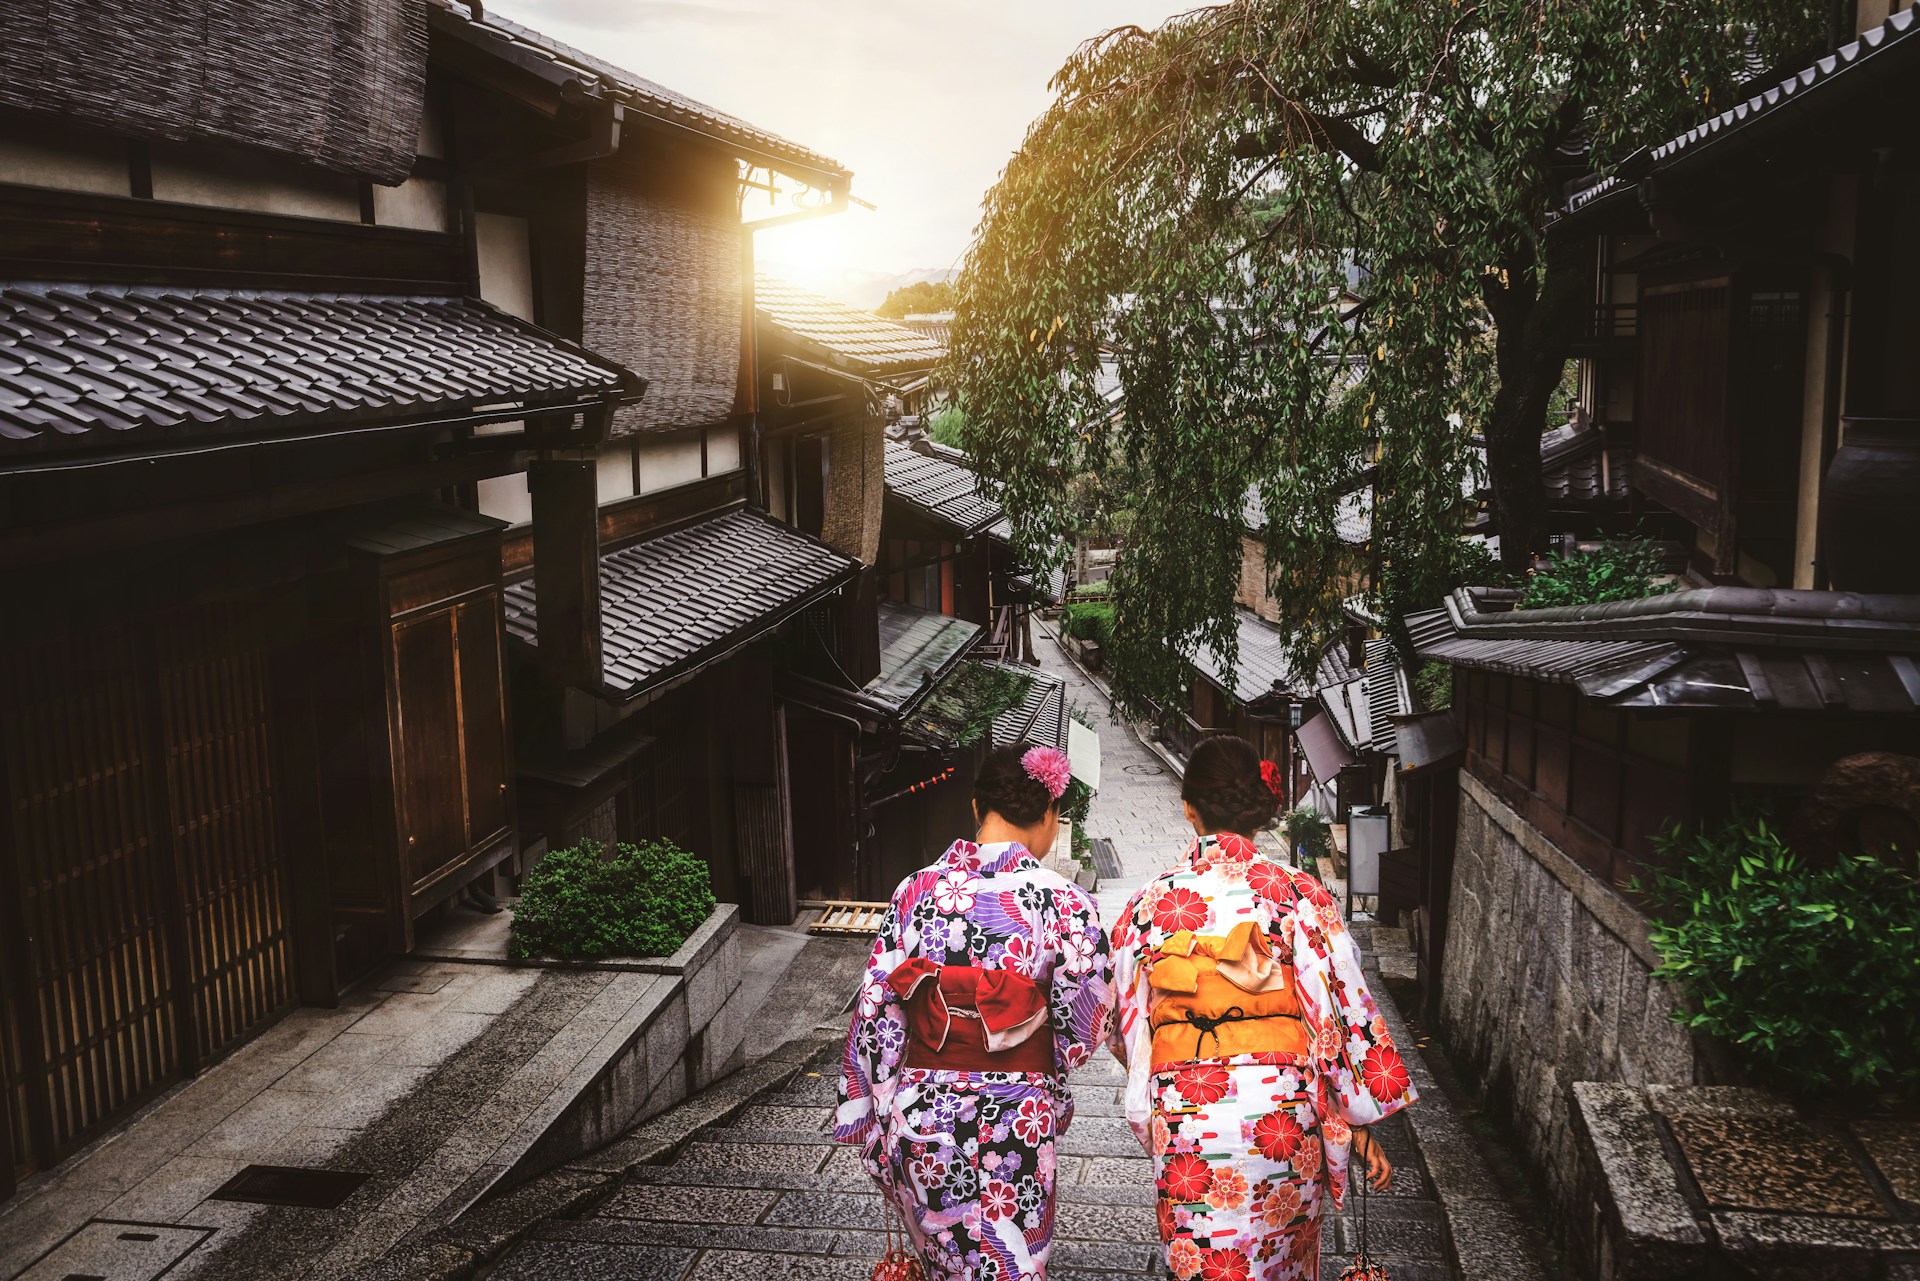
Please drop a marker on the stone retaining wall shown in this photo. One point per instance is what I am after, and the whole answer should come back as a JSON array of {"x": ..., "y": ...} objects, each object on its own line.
[
  {"x": 685, "y": 1034},
  {"x": 1547, "y": 980}
]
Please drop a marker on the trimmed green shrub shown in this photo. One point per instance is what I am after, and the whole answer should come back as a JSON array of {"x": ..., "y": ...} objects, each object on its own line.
[
  {"x": 1621, "y": 569},
  {"x": 1090, "y": 621},
  {"x": 1809, "y": 975},
  {"x": 1307, "y": 832},
  {"x": 588, "y": 902}
]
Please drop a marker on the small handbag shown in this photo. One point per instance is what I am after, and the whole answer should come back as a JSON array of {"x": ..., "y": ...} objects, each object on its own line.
[
  {"x": 901, "y": 1262},
  {"x": 1364, "y": 1266}
]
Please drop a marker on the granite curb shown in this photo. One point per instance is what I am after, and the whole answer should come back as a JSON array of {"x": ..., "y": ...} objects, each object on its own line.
[
  {"x": 1485, "y": 1237},
  {"x": 487, "y": 1230}
]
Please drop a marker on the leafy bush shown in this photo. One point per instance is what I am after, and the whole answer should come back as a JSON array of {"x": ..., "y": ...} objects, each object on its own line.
[
  {"x": 1090, "y": 621},
  {"x": 946, "y": 427},
  {"x": 1622, "y": 569},
  {"x": 1307, "y": 832},
  {"x": 1810, "y": 975},
  {"x": 588, "y": 902},
  {"x": 1433, "y": 686}
]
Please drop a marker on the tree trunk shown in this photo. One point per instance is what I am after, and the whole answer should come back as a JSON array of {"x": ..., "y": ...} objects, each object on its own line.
[{"x": 1532, "y": 342}]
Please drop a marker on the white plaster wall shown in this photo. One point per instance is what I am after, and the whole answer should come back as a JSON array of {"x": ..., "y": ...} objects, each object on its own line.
[
  {"x": 777, "y": 483},
  {"x": 506, "y": 498},
  {"x": 615, "y": 471},
  {"x": 723, "y": 450},
  {"x": 673, "y": 461},
  {"x": 203, "y": 176},
  {"x": 506, "y": 263},
  {"x": 70, "y": 160},
  {"x": 419, "y": 203}
]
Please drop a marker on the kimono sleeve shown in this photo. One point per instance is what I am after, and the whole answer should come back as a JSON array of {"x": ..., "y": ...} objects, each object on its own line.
[
  {"x": 1081, "y": 996},
  {"x": 1131, "y": 1036},
  {"x": 877, "y": 1035},
  {"x": 1370, "y": 1081}
]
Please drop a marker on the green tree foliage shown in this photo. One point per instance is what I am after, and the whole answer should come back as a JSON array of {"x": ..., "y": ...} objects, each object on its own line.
[
  {"x": 947, "y": 427},
  {"x": 1190, "y": 209},
  {"x": 587, "y": 902},
  {"x": 1623, "y": 569},
  {"x": 917, "y": 298},
  {"x": 1811, "y": 976},
  {"x": 1307, "y": 832}
]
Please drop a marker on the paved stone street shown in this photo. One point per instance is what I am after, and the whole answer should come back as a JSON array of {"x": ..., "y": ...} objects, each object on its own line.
[{"x": 767, "y": 1195}]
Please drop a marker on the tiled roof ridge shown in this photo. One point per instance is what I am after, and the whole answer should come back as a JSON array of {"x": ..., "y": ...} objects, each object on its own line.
[
  {"x": 855, "y": 338},
  {"x": 658, "y": 99},
  {"x": 1751, "y": 614},
  {"x": 1898, "y": 28}
]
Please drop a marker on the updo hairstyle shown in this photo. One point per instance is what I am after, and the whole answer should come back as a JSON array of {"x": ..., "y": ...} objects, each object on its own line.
[
  {"x": 1004, "y": 787},
  {"x": 1224, "y": 786}
]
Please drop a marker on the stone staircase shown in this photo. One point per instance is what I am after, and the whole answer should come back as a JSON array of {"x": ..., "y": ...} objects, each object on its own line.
[{"x": 767, "y": 1195}]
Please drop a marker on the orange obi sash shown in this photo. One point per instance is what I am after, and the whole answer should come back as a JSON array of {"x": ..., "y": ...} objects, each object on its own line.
[
  {"x": 963, "y": 1019},
  {"x": 1217, "y": 997}
]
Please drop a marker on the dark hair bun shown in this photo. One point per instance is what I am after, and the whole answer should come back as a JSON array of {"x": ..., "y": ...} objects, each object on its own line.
[
  {"x": 1224, "y": 785},
  {"x": 1004, "y": 787}
]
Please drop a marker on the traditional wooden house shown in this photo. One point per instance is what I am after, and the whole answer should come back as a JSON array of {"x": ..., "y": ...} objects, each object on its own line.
[
  {"x": 892, "y": 728},
  {"x": 1777, "y": 411},
  {"x": 293, "y": 391}
]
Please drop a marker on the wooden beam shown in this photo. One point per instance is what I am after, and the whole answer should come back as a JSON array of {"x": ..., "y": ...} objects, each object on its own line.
[
  {"x": 566, "y": 550},
  {"x": 55, "y": 541}
]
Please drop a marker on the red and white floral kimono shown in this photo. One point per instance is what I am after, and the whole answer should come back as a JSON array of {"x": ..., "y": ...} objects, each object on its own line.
[{"x": 1243, "y": 1138}]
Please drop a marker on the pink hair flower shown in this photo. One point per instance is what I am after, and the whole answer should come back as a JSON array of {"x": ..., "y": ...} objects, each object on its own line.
[{"x": 1048, "y": 767}]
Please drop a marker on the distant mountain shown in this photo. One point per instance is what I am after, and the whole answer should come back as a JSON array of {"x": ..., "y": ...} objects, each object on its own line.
[{"x": 868, "y": 289}]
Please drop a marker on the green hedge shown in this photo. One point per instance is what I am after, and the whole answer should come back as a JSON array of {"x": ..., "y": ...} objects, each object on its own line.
[
  {"x": 588, "y": 902},
  {"x": 1090, "y": 621},
  {"x": 1809, "y": 975}
]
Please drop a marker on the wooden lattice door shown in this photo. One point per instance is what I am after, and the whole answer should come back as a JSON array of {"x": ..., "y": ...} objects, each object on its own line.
[
  {"x": 90, "y": 887},
  {"x": 144, "y": 926}
]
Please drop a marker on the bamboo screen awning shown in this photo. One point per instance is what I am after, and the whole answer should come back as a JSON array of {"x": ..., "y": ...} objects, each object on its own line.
[{"x": 91, "y": 367}]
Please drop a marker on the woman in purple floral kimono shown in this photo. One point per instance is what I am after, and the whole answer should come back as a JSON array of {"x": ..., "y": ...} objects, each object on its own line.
[{"x": 988, "y": 983}]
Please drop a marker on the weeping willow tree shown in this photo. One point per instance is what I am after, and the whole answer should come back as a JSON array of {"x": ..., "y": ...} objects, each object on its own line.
[{"x": 1307, "y": 236}]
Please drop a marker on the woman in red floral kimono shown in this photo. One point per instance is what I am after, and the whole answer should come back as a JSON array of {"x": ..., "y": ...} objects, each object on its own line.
[
  {"x": 988, "y": 983},
  {"x": 1255, "y": 1053}
]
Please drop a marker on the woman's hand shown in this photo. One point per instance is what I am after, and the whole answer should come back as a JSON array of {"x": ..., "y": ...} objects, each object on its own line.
[{"x": 1379, "y": 1173}]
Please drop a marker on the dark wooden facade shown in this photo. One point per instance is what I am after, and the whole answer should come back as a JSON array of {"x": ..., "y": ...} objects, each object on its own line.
[{"x": 267, "y": 721}]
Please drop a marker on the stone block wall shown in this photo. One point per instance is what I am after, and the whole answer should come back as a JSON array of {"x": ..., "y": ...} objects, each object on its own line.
[{"x": 1548, "y": 980}]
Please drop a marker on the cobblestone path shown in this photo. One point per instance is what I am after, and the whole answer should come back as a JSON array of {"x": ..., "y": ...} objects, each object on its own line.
[{"x": 768, "y": 1196}]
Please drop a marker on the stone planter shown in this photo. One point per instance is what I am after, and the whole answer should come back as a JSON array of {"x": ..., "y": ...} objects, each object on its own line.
[
  {"x": 673, "y": 1026},
  {"x": 1678, "y": 1183}
]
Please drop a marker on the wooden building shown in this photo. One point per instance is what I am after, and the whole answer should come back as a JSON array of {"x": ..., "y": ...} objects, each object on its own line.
[
  {"x": 1775, "y": 411},
  {"x": 295, "y": 387}
]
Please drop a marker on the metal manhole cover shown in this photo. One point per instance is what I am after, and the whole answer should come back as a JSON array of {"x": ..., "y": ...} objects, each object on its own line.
[
  {"x": 1145, "y": 770},
  {"x": 107, "y": 1250},
  {"x": 291, "y": 1185}
]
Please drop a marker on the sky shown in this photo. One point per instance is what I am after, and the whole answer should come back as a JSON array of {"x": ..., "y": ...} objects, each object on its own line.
[{"x": 923, "y": 99}]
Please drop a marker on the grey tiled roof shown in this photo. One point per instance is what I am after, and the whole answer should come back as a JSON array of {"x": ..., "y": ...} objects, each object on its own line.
[
  {"x": 1875, "y": 51},
  {"x": 1266, "y": 661},
  {"x": 1386, "y": 692},
  {"x": 843, "y": 336},
  {"x": 686, "y": 597},
  {"x": 940, "y": 488},
  {"x": 637, "y": 92},
  {"x": 917, "y": 646},
  {"x": 86, "y": 367},
  {"x": 1733, "y": 647},
  {"x": 1041, "y": 716}
]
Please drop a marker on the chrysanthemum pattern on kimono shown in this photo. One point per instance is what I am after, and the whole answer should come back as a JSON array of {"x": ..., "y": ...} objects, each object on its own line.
[
  {"x": 968, "y": 1157},
  {"x": 1244, "y": 1145}
]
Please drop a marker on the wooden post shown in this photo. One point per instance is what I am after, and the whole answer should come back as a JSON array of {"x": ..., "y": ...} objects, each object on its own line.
[
  {"x": 762, "y": 811},
  {"x": 566, "y": 556}
]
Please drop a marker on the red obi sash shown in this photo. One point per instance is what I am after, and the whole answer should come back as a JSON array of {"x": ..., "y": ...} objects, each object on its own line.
[{"x": 963, "y": 1019}]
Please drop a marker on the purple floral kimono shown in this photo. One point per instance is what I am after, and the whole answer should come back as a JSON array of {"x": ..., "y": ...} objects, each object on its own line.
[{"x": 968, "y": 1157}]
